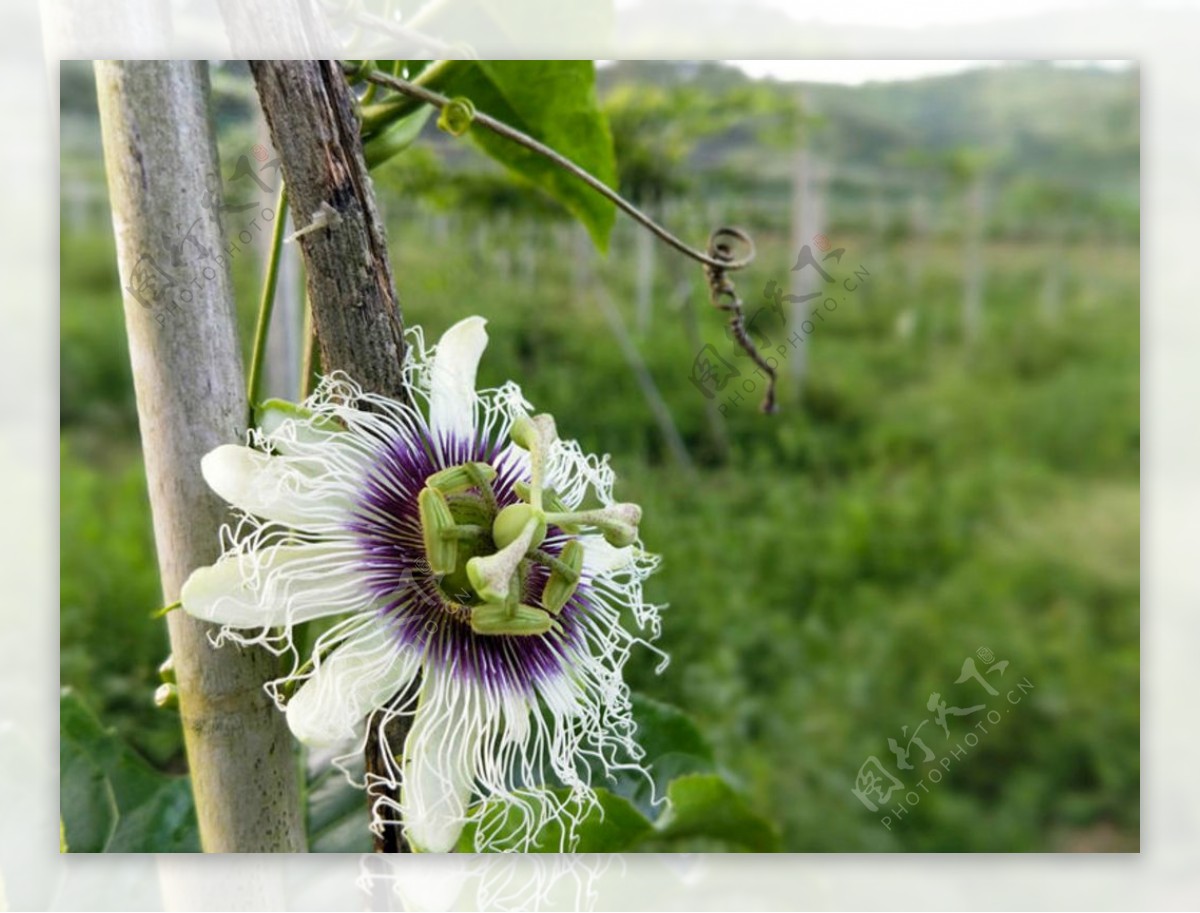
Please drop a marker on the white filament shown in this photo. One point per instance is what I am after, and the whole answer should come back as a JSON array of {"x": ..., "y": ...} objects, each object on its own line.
[{"x": 469, "y": 740}]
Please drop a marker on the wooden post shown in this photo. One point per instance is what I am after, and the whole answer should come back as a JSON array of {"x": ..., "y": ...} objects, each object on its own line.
[
  {"x": 349, "y": 277},
  {"x": 350, "y": 289},
  {"x": 579, "y": 250},
  {"x": 160, "y": 155},
  {"x": 645, "y": 245},
  {"x": 920, "y": 223},
  {"x": 807, "y": 222},
  {"x": 1054, "y": 275},
  {"x": 973, "y": 260},
  {"x": 717, "y": 435},
  {"x": 529, "y": 253},
  {"x": 598, "y": 291}
]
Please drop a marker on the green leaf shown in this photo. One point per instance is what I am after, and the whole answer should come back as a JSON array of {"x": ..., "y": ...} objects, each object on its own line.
[
  {"x": 553, "y": 101},
  {"x": 396, "y": 138},
  {"x": 683, "y": 768},
  {"x": 673, "y": 746},
  {"x": 700, "y": 804},
  {"x": 110, "y": 798},
  {"x": 613, "y": 826},
  {"x": 704, "y": 805}
]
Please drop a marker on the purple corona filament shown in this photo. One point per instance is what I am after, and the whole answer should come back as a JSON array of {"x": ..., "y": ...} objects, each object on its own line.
[{"x": 387, "y": 527}]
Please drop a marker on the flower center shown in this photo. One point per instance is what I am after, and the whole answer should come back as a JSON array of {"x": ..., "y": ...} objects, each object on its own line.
[{"x": 483, "y": 554}]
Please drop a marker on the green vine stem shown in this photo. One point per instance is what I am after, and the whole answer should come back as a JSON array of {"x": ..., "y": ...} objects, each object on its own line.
[
  {"x": 376, "y": 117},
  {"x": 719, "y": 260},
  {"x": 418, "y": 90},
  {"x": 266, "y": 304},
  {"x": 369, "y": 94},
  {"x": 308, "y": 355}
]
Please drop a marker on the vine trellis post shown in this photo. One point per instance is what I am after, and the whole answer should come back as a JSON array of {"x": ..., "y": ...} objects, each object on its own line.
[
  {"x": 160, "y": 155},
  {"x": 351, "y": 292}
]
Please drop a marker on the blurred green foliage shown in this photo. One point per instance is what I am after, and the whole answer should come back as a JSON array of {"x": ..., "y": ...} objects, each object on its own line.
[
  {"x": 916, "y": 499},
  {"x": 112, "y": 800}
]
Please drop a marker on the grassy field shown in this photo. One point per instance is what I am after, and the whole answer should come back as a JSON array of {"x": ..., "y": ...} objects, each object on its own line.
[{"x": 917, "y": 498}]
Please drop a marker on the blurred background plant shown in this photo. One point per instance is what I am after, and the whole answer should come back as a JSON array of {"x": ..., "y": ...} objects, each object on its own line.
[{"x": 955, "y": 464}]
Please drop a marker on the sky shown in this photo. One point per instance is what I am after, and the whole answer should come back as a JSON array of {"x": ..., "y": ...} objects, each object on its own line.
[
  {"x": 904, "y": 16},
  {"x": 856, "y": 72},
  {"x": 890, "y": 14},
  {"x": 907, "y": 15}
]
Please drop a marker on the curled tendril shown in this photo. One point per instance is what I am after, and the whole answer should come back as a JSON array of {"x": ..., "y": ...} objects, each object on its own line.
[
  {"x": 722, "y": 247},
  {"x": 457, "y": 116},
  {"x": 720, "y": 260}
]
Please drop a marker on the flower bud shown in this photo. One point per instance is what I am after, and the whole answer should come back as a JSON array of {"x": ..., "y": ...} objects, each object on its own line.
[{"x": 166, "y": 696}]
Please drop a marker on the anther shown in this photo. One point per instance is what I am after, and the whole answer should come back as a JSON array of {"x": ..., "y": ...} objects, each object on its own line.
[
  {"x": 564, "y": 578},
  {"x": 462, "y": 477},
  {"x": 519, "y": 619},
  {"x": 441, "y": 551},
  {"x": 618, "y": 523}
]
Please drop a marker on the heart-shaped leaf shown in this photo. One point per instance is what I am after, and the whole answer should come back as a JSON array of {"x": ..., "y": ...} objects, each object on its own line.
[{"x": 553, "y": 101}]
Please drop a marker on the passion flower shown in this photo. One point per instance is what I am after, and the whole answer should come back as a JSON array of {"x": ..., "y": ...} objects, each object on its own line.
[{"x": 486, "y": 584}]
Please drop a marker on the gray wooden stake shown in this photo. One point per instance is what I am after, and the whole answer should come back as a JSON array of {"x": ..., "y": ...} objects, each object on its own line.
[
  {"x": 160, "y": 156},
  {"x": 349, "y": 277}
]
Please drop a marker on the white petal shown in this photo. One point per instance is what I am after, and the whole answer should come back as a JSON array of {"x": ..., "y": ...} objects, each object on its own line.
[
  {"x": 283, "y": 584},
  {"x": 357, "y": 678},
  {"x": 600, "y": 558},
  {"x": 286, "y": 425},
  {"x": 452, "y": 381},
  {"x": 439, "y": 764},
  {"x": 287, "y": 489}
]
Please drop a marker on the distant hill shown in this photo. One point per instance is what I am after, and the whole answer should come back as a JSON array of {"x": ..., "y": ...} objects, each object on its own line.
[
  {"x": 1059, "y": 124},
  {"x": 1046, "y": 133}
]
